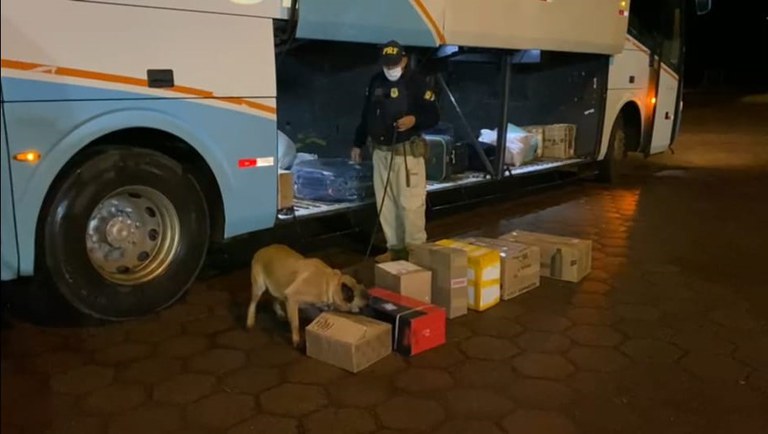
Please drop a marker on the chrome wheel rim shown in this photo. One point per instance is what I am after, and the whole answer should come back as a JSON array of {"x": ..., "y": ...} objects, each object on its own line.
[{"x": 133, "y": 235}]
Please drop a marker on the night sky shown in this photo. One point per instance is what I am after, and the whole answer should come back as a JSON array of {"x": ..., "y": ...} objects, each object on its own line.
[{"x": 729, "y": 46}]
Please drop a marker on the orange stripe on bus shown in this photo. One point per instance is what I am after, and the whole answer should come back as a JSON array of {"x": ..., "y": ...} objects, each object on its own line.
[
  {"x": 431, "y": 20},
  {"x": 131, "y": 81}
]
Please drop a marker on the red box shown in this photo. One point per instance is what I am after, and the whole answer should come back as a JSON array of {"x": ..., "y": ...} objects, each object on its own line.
[{"x": 416, "y": 326}]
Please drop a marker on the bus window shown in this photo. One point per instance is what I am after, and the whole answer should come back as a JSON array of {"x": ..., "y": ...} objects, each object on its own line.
[{"x": 657, "y": 25}]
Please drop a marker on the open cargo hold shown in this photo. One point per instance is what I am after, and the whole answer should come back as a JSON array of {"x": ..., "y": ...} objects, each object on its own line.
[{"x": 321, "y": 91}]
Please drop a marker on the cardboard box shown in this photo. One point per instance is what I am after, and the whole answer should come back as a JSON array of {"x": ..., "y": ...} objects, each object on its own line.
[
  {"x": 562, "y": 258},
  {"x": 520, "y": 266},
  {"x": 351, "y": 342},
  {"x": 483, "y": 274},
  {"x": 406, "y": 279},
  {"x": 559, "y": 141},
  {"x": 284, "y": 189},
  {"x": 449, "y": 275},
  {"x": 416, "y": 326}
]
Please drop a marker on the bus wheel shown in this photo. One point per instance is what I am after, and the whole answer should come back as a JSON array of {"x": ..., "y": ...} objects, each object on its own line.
[
  {"x": 610, "y": 168},
  {"x": 126, "y": 233}
]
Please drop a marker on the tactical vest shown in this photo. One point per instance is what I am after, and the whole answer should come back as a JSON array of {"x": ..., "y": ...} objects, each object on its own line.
[{"x": 389, "y": 102}]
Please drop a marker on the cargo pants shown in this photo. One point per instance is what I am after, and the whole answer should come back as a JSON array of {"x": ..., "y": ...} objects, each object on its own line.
[{"x": 403, "y": 218}]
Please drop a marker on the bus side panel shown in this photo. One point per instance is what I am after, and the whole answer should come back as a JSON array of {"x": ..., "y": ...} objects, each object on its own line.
[
  {"x": 8, "y": 246},
  {"x": 209, "y": 54},
  {"x": 628, "y": 80},
  {"x": 664, "y": 119},
  {"x": 411, "y": 22},
  {"x": 224, "y": 134}
]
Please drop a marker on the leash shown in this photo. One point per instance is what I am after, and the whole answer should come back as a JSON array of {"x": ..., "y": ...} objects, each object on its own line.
[{"x": 384, "y": 193}]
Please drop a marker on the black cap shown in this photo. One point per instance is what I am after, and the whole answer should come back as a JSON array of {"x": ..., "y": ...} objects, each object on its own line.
[{"x": 392, "y": 53}]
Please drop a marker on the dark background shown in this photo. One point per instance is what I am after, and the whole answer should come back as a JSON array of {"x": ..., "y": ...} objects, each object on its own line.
[{"x": 728, "y": 48}]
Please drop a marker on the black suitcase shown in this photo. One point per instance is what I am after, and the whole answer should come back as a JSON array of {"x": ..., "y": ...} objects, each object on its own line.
[{"x": 445, "y": 157}]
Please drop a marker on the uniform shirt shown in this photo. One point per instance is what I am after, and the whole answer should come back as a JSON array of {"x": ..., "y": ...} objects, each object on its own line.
[{"x": 387, "y": 101}]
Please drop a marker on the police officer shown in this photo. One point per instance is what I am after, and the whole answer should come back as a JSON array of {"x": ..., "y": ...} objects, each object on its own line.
[{"x": 399, "y": 105}]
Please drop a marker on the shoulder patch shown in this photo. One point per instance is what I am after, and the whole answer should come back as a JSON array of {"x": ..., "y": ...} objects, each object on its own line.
[{"x": 429, "y": 95}]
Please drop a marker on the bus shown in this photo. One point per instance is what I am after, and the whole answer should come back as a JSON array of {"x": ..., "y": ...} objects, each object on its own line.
[{"x": 135, "y": 133}]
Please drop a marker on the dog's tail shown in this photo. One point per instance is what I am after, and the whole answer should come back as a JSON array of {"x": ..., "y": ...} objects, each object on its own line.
[{"x": 257, "y": 288}]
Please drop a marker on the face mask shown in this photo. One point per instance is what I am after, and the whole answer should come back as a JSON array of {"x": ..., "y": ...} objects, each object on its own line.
[{"x": 394, "y": 73}]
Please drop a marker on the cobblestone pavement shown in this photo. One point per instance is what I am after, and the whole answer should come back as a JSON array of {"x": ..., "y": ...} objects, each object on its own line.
[{"x": 668, "y": 334}]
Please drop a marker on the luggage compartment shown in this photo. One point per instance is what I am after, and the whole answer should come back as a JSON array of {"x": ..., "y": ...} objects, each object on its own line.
[{"x": 321, "y": 90}]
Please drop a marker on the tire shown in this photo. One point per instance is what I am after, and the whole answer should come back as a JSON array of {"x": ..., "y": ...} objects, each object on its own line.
[
  {"x": 610, "y": 168},
  {"x": 125, "y": 233}
]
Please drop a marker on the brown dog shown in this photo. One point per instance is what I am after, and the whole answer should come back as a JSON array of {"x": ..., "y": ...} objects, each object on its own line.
[{"x": 294, "y": 280}]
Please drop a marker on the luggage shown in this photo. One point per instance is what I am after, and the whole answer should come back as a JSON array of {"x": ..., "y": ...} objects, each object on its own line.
[
  {"x": 441, "y": 129},
  {"x": 474, "y": 162},
  {"x": 445, "y": 157},
  {"x": 333, "y": 180}
]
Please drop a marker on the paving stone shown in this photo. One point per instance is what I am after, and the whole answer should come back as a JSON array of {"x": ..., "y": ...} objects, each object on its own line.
[
  {"x": 266, "y": 424},
  {"x": 702, "y": 341},
  {"x": 598, "y": 359},
  {"x": 594, "y": 286},
  {"x": 313, "y": 371},
  {"x": 150, "y": 371},
  {"x": 210, "y": 325},
  {"x": 183, "y": 346},
  {"x": 488, "y": 348},
  {"x": 753, "y": 352},
  {"x": 538, "y": 421},
  {"x": 54, "y": 362},
  {"x": 82, "y": 380},
  {"x": 251, "y": 380},
  {"x": 217, "y": 361},
  {"x": 543, "y": 342},
  {"x": 116, "y": 398},
  {"x": 29, "y": 342},
  {"x": 273, "y": 355},
  {"x": 184, "y": 312},
  {"x": 221, "y": 410},
  {"x": 74, "y": 425},
  {"x": 422, "y": 379},
  {"x": 482, "y": 404},
  {"x": 184, "y": 388},
  {"x": 591, "y": 316},
  {"x": 241, "y": 339},
  {"x": 714, "y": 367},
  {"x": 595, "y": 335},
  {"x": 540, "y": 365},
  {"x": 147, "y": 419},
  {"x": 498, "y": 327},
  {"x": 207, "y": 297},
  {"x": 457, "y": 332},
  {"x": 644, "y": 329},
  {"x": 537, "y": 393},
  {"x": 154, "y": 331},
  {"x": 293, "y": 399},
  {"x": 360, "y": 391},
  {"x": 759, "y": 381},
  {"x": 339, "y": 421},
  {"x": 468, "y": 426},
  {"x": 544, "y": 322},
  {"x": 484, "y": 373},
  {"x": 404, "y": 412},
  {"x": 443, "y": 356},
  {"x": 734, "y": 318},
  {"x": 122, "y": 353},
  {"x": 589, "y": 300},
  {"x": 651, "y": 350},
  {"x": 387, "y": 367},
  {"x": 637, "y": 311}
]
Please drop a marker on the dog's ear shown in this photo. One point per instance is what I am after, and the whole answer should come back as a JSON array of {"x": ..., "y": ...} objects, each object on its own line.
[{"x": 347, "y": 293}]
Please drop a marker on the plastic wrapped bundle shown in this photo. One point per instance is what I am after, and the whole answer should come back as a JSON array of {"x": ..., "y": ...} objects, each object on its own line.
[{"x": 333, "y": 180}]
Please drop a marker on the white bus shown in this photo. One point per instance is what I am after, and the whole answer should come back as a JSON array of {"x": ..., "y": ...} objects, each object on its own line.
[{"x": 137, "y": 132}]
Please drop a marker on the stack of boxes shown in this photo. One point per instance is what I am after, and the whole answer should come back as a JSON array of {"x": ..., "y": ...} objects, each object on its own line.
[{"x": 443, "y": 280}]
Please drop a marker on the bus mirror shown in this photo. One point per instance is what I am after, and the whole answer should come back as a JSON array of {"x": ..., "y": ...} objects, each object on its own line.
[{"x": 703, "y": 6}]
